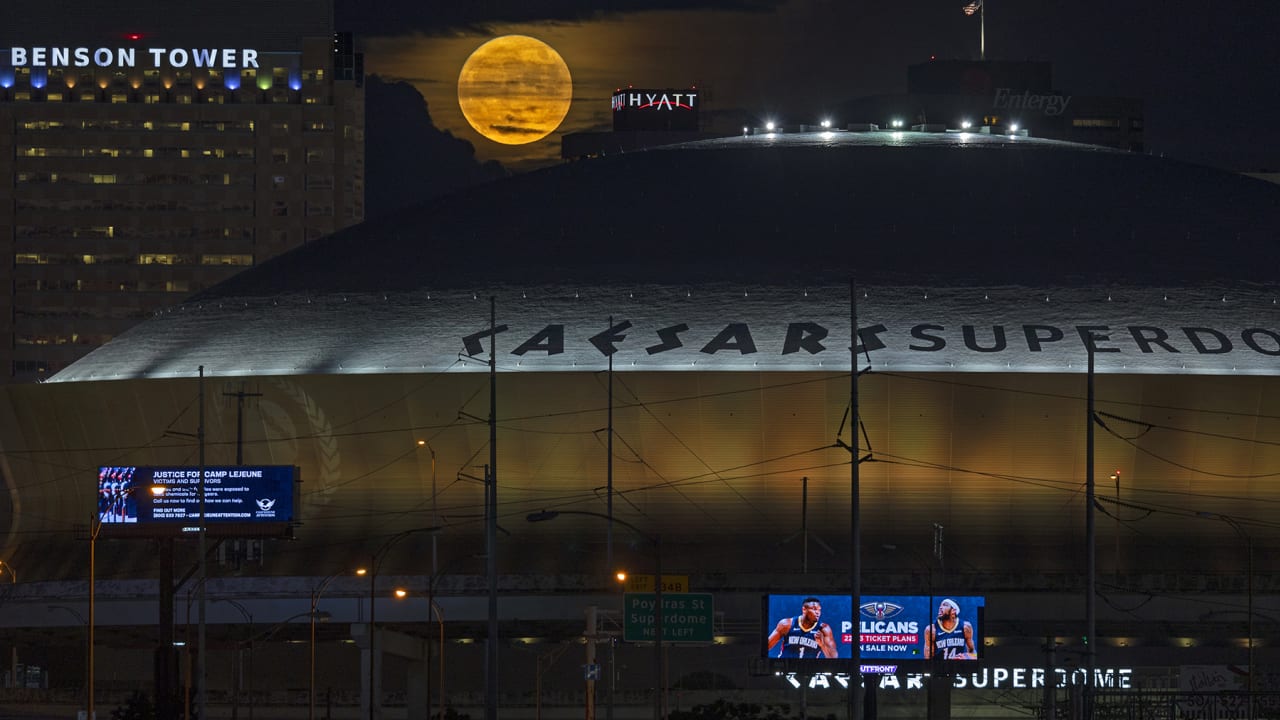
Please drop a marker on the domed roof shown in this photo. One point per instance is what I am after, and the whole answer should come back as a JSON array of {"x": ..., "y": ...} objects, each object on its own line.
[{"x": 905, "y": 212}]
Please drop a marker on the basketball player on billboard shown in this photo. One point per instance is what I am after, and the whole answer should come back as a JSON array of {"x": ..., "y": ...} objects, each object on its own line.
[
  {"x": 805, "y": 635},
  {"x": 948, "y": 637}
]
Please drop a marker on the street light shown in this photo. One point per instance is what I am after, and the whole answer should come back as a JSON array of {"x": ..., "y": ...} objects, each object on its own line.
[
  {"x": 656, "y": 541},
  {"x": 1248, "y": 540},
  {"x": 83, "y": 622},
  {"x": 372, "y": 572},
  {"x": 248, "y": 616},
  {"x": 311, "y": 687},
  {"x": 432, "y": 606},
  {"x": 95, "y": 527}
]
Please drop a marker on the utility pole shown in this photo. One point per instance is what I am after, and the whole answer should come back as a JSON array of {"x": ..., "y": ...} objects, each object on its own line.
[
  {"x": 1091, "y": 559},
  {"x": 202, "y": 657},
  {"x": 240, "y": 396},
  {"x": 855, "y": 547},
  {"x": 491, "y": 523}
]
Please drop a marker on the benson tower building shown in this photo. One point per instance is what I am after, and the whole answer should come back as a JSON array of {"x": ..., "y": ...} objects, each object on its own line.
[{"x": 149, "y": 154}]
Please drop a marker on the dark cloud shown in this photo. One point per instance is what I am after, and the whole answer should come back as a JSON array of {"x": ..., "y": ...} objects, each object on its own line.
[
  {"x": 447, "y": 17},
  {"x": 517, "y": 130},
  {"x": 409, "y": 159}
]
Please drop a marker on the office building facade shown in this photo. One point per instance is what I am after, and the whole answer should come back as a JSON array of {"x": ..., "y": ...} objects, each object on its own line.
[{"x": 137, "y": 168}]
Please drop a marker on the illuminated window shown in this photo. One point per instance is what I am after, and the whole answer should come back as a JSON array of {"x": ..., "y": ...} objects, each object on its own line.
[
  {"x": 183, "y": 99},
  {"x": 226, "y": 259},
  {"x": 97, "y": 179},
  {"x": 279, "y": 127},
  {"x": 177, "y": 286},
  {"x": 117, "y": 98},
  {"x": 31, "y": 366},
  {"x": 316, "y": 155},
  {"x": 249, "y": 73},
  {"x": 88, "y": 96},
  {"x": 22, "y": 95},
  {"x": 54, "y": 97},
  {"x": 310, "y": 100},
  {"x": 1095, "y": 122},
  {"x": 151, "y": 99},
  {"x": 30, "y": 259},
  {"x": 157, "y": 259},
  {"x": 215, "y": 74},
  {"x": 316, "y": 126}
]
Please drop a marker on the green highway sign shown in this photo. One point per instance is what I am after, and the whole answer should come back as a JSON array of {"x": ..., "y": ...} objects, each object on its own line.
[{"x": 686, "y": 617}]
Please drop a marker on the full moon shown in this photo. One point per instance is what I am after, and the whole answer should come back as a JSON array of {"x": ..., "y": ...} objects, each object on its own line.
[{"x": 515, "y": 89}]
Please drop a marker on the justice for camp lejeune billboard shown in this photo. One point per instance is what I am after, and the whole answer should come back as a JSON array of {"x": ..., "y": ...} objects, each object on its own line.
[
  {"x": 891, "y": 627},
  {"x": 241, "y": 500}
]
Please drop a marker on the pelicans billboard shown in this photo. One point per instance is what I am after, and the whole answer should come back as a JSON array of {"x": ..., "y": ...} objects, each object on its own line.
[{"x": 820, "y": 626}]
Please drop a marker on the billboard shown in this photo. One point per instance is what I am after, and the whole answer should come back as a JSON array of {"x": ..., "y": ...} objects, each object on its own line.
[
  {"x": 819, "y": 626},
  {"x": 239, "y": 501}
]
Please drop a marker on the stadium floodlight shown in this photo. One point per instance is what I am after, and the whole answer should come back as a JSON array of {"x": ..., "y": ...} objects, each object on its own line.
[
  {"x": 826, "y": 123},
  {"x": 965, "y": 124},
  {"x": 1013, "y": 127},
  {"x": 769, "y": 126}
]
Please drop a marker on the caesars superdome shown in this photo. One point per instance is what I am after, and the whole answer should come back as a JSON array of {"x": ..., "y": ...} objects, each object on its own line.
[{"x": 675, "y": 324}]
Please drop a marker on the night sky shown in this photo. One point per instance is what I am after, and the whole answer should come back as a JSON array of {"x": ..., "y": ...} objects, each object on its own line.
[{"x": 1207, "y": 72}]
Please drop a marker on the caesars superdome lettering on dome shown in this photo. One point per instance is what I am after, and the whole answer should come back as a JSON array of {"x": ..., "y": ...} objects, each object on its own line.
[
  {"x": 812, "y": 338},
  {"x": 66, "y": 57}
]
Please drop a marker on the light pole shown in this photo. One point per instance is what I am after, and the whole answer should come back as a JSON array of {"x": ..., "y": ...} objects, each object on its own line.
[
  {"x": 1248, "y": 540},
  {"x": 311, "y": 685},
  {"x": 85, "y": 623},
  {"x": 374, "y": 563},
  {"x": 656, "y": 541},
  {"x": 248, "y": 616}
]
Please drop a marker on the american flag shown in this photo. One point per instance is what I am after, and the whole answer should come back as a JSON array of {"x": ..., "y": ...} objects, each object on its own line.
[{"x": 973, "y": 7}]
